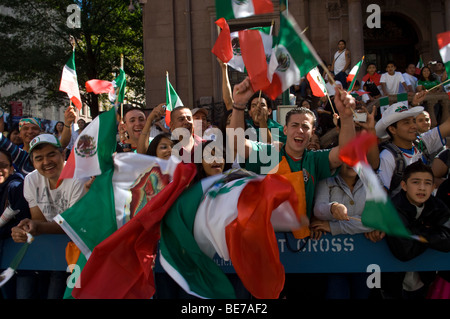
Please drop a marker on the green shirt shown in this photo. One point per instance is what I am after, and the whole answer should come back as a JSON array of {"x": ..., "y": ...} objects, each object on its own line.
[
  {"x": 277, "y": 135},
  {"x": 428, "y": 84},
  {"x": 315, "y": 166}
]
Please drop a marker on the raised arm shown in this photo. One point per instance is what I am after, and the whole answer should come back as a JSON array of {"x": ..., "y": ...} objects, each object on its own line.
[
  {"x": 69, "y": 118},
  {"x": 345, "y": 105},
  {"x": 143, "y": 143},
  {"x": 226, "y": 87},
  {"x": 242, "y": 92}
]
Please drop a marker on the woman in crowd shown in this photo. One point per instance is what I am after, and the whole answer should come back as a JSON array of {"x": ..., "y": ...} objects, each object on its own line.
[
  {"x": 427, "y": 80},
  {"x": 57, "y": 130},
  {"x": 161, "y": 146}
]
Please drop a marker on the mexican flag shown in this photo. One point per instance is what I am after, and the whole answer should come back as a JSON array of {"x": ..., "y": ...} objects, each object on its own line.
[
  {"x": 121, "y": 266},
  {"x": 292, "y": 57},
  {"x": 99, "y": 86},
  {"x": 219, "y": 215},
  {"x": 119, "y": 83},
  {"x": 378, "y": 213},
  {"x": 69, "y": 82},
  {"x": 172, "y": 99},
  {"x": 443, "y": 40},
  {"x": 351, "y": 77},
  {"x": 235, "y": 9},
  {"x": 419, "y": 65},
  {"x": 316, "y": 82},
  {"x": 237, "y": 61},
  {"x": 384, "y": 103},
  {"x": 92, "y": 151},
  {"x": 222, "y": 48},
  {"x": 254, "y": 58},
  {"x": 116, "y": 196},
  {"x": 403, "y": 98}
]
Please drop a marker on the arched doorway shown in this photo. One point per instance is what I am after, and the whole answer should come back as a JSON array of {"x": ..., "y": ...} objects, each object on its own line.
[{"x": 396, "y": 41}]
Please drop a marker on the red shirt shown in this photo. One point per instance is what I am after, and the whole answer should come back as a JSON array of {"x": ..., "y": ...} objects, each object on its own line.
[{"x": 375, "y": 78}]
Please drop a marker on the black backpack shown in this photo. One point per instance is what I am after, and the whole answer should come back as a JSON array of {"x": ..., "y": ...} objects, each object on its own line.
[{"x": 400, "y": 163}]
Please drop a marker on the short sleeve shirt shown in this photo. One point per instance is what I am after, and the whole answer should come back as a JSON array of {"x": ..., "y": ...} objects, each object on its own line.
[{"x": 315, "y": 166}]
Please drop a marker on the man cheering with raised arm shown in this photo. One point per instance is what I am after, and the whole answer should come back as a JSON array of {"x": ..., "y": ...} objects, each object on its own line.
[{"x": 294, "y": 155}]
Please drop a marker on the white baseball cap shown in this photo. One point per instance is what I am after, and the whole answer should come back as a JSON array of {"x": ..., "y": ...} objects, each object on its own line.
[{"x": 44, "y": 138}]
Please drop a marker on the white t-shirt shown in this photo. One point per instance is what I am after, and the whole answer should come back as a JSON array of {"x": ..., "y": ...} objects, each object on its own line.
[
  {"x": 339, "y": 61},
  {"x": 51, "y": 202},
  {"x": 392, "y": 82},
  {"x": 433, "y": 142}
]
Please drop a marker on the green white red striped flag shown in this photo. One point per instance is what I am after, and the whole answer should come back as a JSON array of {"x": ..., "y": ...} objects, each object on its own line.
[
  {"x": 419, "y": 65},
  {"x": 69, "y": 82},
  {"x": 92, "y": 151},
  {"x": 119, "y": 83},
  {"x": 353, "y": 74},
  {"x": 379, "y": 213},
  {"x": 222, "y": 48},
  {"x": 172, "y": 99},
  {"x": 120, "y": 266},
  {"x": 237, "y": 62},
  {"x": 235, "y": 9},
  {"x": 316, "y": 82},
  {"x": 292, "y": 57},
  {"x": 443, "y": 40},
  {"x": 220, "y": 216}
]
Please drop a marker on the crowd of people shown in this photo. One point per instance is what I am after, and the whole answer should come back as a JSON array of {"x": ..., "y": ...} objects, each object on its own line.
[{"x": 411, "y": 161}]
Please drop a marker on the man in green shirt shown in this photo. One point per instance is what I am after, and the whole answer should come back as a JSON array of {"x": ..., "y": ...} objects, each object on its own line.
[
  {"x": 260, "y": 111},
  {"x": 264, "y": 158}
]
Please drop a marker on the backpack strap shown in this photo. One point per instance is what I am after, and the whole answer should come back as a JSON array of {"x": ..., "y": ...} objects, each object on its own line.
[
  {"x": 400, "y": 165},
  {"x": 423, "y": 149}
]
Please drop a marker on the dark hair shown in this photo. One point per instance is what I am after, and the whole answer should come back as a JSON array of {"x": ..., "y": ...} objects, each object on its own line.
[
  {"x": 133, "y": 108},
  {"x": 41, "y": 146},
  {"x": 300, "y": 110},
  {"x": 417, "y": 167},
  {"x": 432, "y": 77},
  {"x": 305, "y": 100},
  {"x": 54, "y": 128},
  {"x": 8, "y": 156},
  {"x": 390, "y": 62},
  {"x": 200, "y": 170},
  {"x": 151, "y": 150},
  {"x": 14, "y": 127},
  {"x": 269, "y": 102},
  {"x": 176, "y": 109},
  {"x": 371, "y": 63},
  {"x": 389, "y": 132},
  {"x": 343, "y": 42}
]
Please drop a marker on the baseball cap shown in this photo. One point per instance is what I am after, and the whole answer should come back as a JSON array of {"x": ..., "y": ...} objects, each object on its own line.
[
  {"x": 44, "y": 138},
  {"x": 200, "y": 109}
]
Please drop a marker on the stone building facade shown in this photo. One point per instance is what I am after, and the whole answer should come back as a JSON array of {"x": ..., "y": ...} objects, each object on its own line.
[{"x": 179, "y": 36}]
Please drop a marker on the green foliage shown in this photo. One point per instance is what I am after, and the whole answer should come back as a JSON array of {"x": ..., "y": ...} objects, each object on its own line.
[{"x": 35, "y": 45}]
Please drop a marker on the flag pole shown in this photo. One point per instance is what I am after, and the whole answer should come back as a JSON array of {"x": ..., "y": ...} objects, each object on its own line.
[
  {"x": 117, "y": 98},
  {"x": 436, "y": 86},
  {"x": 331, "y": 104},
  {"x": 350, "y": 89}
]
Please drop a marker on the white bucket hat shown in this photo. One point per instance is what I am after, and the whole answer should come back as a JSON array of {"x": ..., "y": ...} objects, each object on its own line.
[{"x": 394, "y": 113}]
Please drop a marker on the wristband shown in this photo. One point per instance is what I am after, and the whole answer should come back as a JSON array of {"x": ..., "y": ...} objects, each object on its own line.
[
  {"x": 238, "y": 108},
  {"x": 68, "y": 126}
]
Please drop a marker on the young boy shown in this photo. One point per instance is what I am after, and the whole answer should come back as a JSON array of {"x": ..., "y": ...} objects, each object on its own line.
[
  {"x": 371, "y": 81},
  {"x": 391, "y": 80},
  {"x": 424, "y": 215}
]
